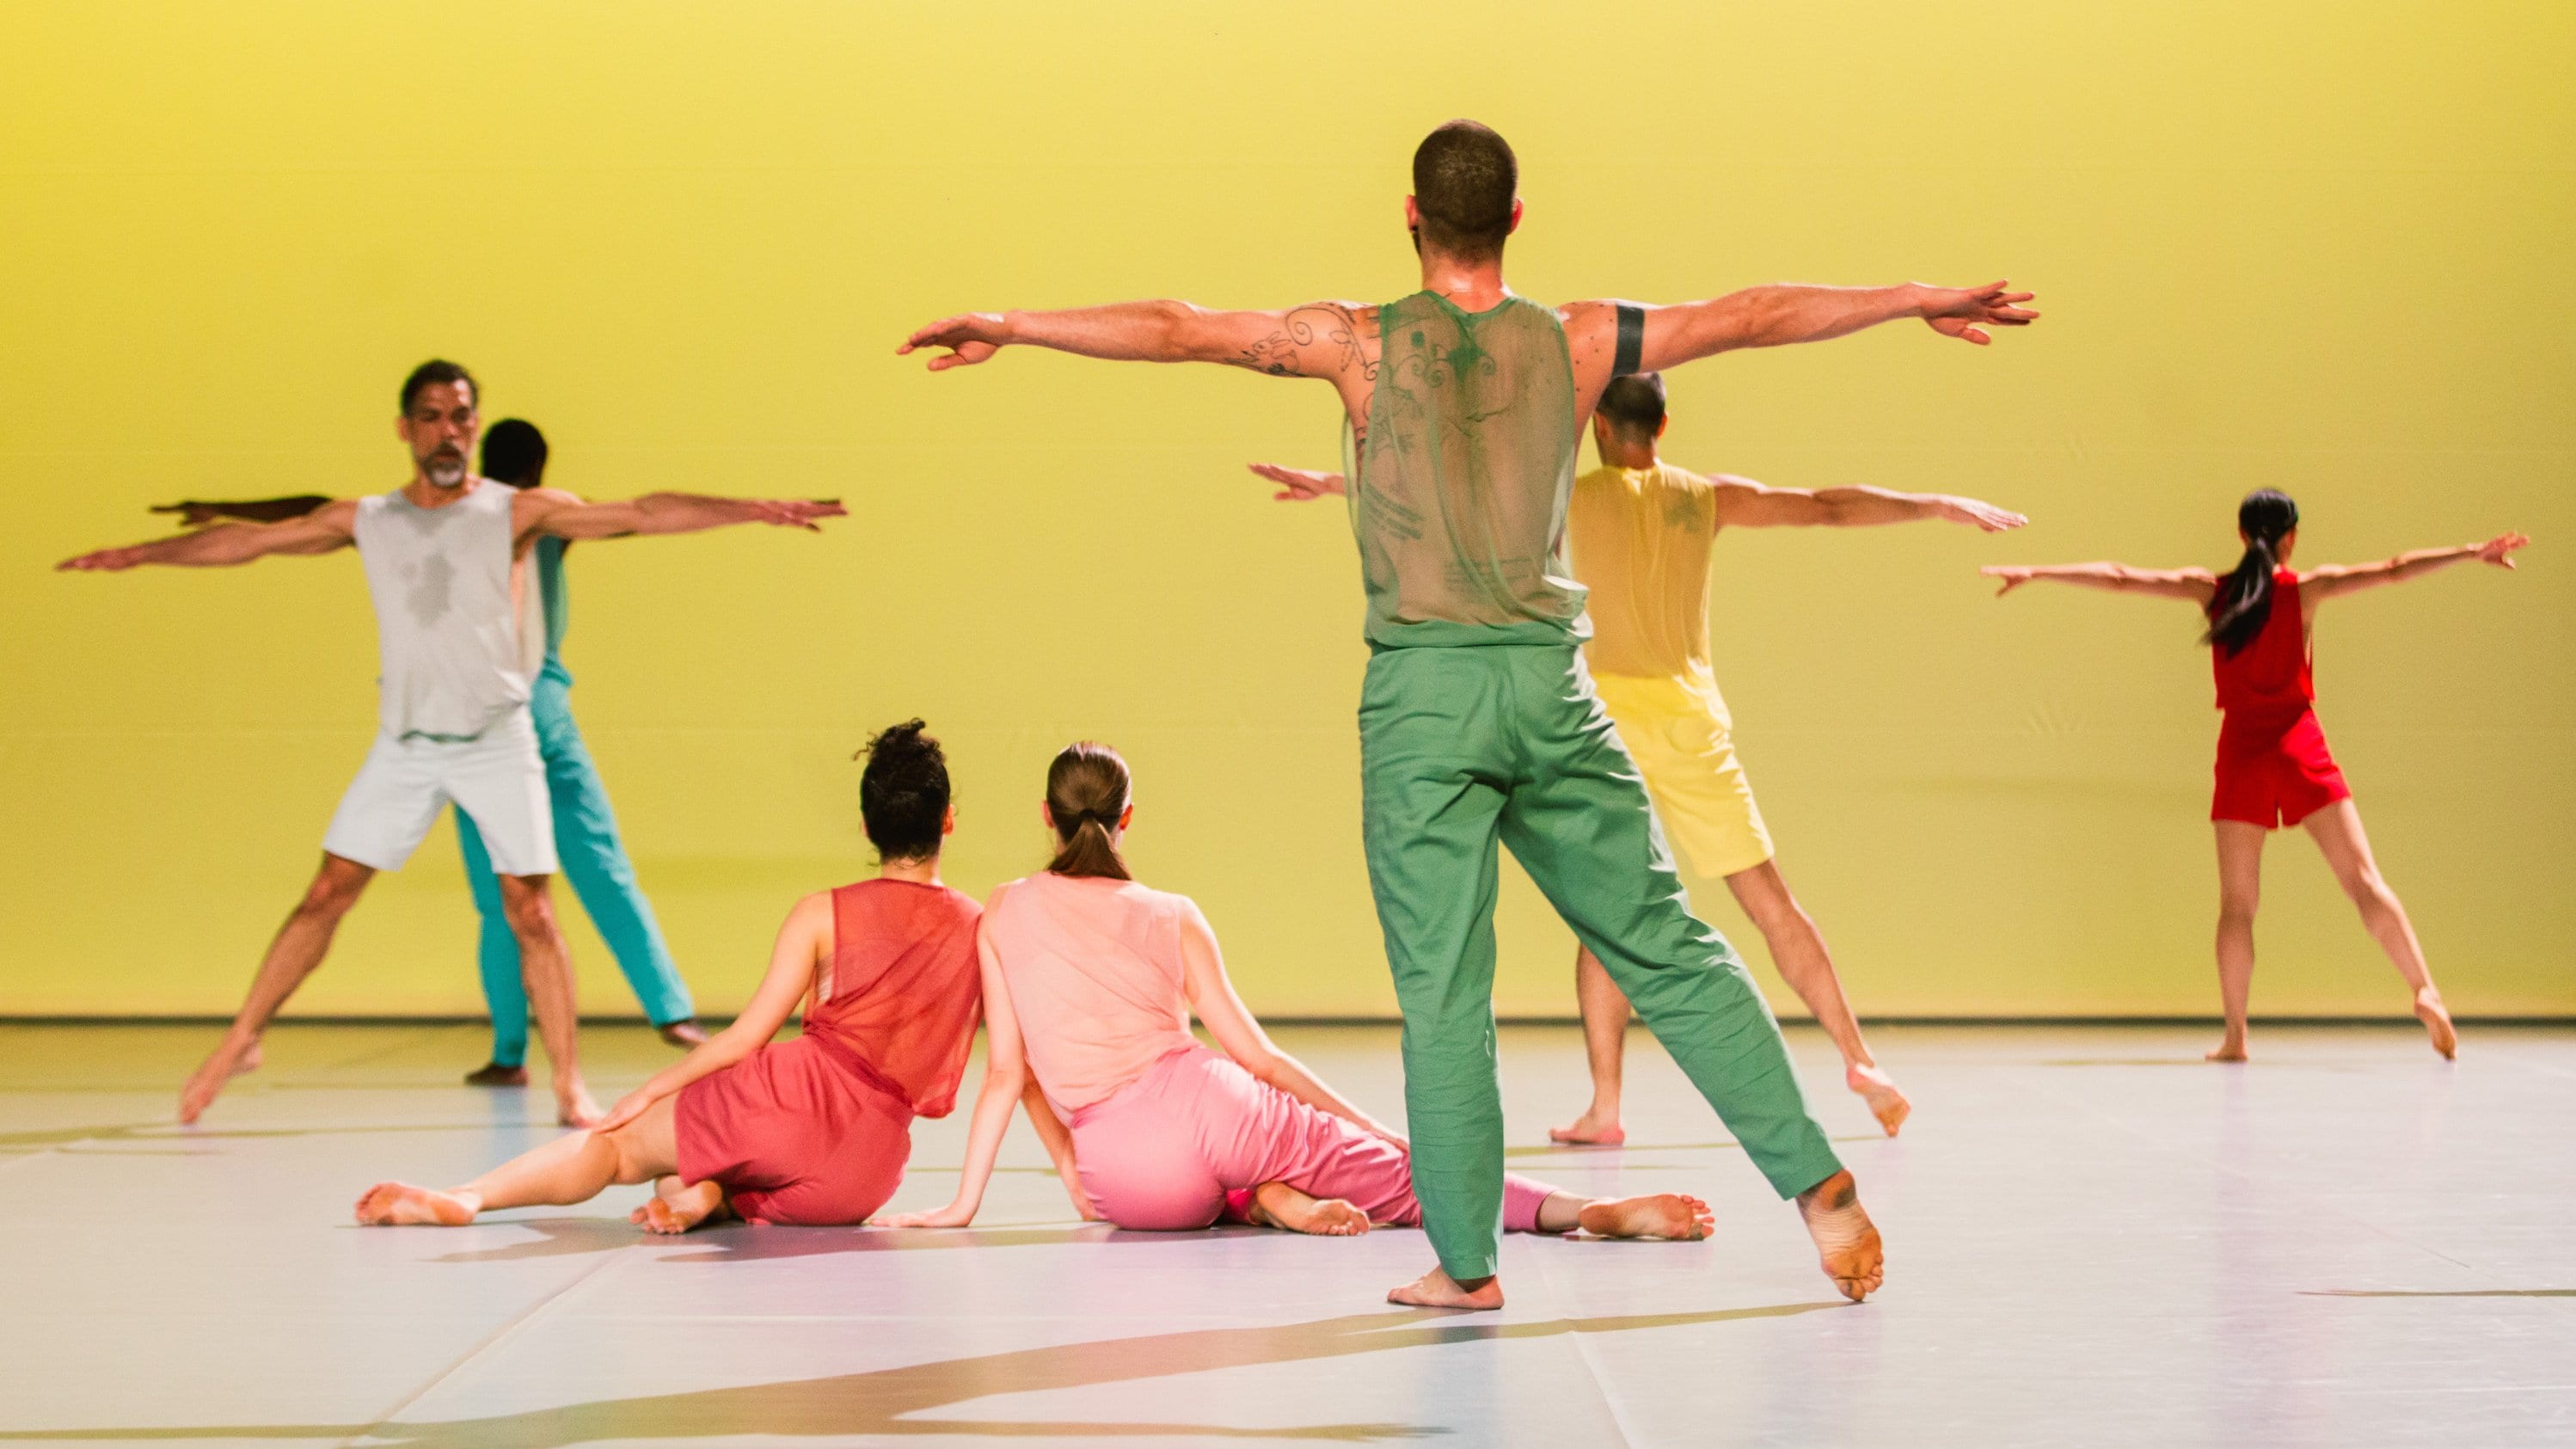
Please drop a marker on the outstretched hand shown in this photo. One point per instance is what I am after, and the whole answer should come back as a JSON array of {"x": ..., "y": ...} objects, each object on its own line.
[
  {"x": 2013, "y": 577},
  {"x": 970, "y": 338},
  {"x": 799, "y": 512},
  {"x": 1298, "y": 485},
  {"x": 2499, "y": 549},
  {"x": 1958, "y": 311},
  {"x": 1979, "y": 514},
  {"x": 105, "y": 560}
]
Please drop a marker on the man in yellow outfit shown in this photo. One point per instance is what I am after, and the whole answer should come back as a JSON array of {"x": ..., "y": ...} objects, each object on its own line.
[{"x": 1641, "y": 531}]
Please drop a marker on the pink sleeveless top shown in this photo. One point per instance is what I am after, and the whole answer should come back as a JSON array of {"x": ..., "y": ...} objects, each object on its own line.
[
  {"x": 905, "y": 989},
  {"x": 1094, "y": 969}
]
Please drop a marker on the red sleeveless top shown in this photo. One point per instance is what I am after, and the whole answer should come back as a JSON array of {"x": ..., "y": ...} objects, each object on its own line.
[
  {"x": 2269, "y": 680},
  {"x": 905, "y": 989}
]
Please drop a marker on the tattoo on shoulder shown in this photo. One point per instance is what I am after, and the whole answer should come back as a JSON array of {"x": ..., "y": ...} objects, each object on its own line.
[{"x": 1339, "y": 332}]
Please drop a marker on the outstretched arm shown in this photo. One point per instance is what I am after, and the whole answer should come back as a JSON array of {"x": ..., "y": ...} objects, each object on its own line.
[
  {"x": 1211, "y": 995},
  {"x": 1006, "y": 1075},
  {"x": 558, "y": 514},
  {"x": 196, "y": 514},
  {"x": 1779, "y": 315},
  {"x": 2325, "y": 583},
  {"x": 1320, "y": 339},
  {"x": 804, "y": 944},
  {"x": 321, "y": 531},
  {"x": 2197, "y": 585},
  {"x": 1743, "y": 503}
]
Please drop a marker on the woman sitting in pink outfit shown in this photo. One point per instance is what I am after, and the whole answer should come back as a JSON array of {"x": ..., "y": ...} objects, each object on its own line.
[
  {"x": 814, "y": 1130},
  {"x": 1090, "y": 978}
]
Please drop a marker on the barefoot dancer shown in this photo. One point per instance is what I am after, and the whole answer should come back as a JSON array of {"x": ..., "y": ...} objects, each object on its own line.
[
  {"x": 1641, "y": 530},
  {"x": 586, "y": 839},
  {"x": 1091, "y": 978},
  {"x": 454, "y": 722},
  {"x": 1478, "y": 722},
  {"x": 2273, "y": 767},
  {"x": 814, "y": 1130}
]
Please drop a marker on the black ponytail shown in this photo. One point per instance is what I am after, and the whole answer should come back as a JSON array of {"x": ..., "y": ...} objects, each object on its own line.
[{"x": 2243, "y": 603}]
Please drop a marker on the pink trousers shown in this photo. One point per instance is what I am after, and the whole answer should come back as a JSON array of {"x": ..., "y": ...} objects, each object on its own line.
[{"x": 1184, "y": 1145}]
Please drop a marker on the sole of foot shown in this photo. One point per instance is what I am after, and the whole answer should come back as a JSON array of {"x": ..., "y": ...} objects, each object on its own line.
[
  {"x": 1887, "y": 1102},
  {"x": 1588, "y": 1131},
  {"x": 1436, "y": 1289},
  {"x": 401, "y": 1205},
  {"x": 493, "y": 1074},
  {"x": 2437, "y": 1022},
  {"x": 683, "y": 1033},
  {"x": 1672, "y": 1215},
  {"x": 1846, "y": 1241}
]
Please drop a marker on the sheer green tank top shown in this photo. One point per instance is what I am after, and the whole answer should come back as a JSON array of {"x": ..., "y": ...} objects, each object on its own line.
[{"x": 1458, "y": 496}]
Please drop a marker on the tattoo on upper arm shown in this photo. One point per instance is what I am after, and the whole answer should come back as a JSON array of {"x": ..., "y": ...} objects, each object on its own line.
[{"x": 1327, "y": 325}]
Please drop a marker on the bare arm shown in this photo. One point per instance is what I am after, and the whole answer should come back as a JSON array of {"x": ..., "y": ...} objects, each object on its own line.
[
  {"x": 1211, "y": 995},
  {"x": 196, "y": 514},
  {"x": 1006, "y": 1076},
  {"x": 804, "y": 944},
  {"x": 1743, "y": 503},
  {"x": 557, "y": 514},
  {"x": 2197, "y": 585},
  {"x": 1320, "y": 339},
  {"x": 327, "y": 528},
  {"x": 2325, "y": 583},
  {"x": 1059, "y": 1146},
  {"x": 1779, "y": 315}
]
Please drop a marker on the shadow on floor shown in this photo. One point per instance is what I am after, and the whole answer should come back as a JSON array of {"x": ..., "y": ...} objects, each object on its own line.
[
  {"x": 2438, "y": 1293},
  {"x": 881, "y": 1401},
  {"x": 179, "y": 1136},
  {"x": 735, "y": 1242}
]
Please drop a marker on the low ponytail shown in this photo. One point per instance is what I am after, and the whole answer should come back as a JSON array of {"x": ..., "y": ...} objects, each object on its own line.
[
  {"x": 2243, "y": 601},
  {"x": 1087, "y": 791}
]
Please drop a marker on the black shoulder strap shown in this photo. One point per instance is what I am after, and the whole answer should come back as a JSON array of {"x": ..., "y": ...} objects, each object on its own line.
[{"x": 1632, "y": 339}]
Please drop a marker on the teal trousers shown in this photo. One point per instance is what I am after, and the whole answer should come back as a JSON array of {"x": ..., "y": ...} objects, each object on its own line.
[
  {"x": 595, "y": 864},
  {"x": 1461, "y": 747}
]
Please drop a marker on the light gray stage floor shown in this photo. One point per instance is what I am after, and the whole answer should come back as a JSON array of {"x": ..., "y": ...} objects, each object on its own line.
[{"x": 2094, "y": 1238}]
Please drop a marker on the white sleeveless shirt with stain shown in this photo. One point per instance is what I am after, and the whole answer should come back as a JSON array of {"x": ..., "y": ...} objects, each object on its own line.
[{"x": 447, "y": 629}]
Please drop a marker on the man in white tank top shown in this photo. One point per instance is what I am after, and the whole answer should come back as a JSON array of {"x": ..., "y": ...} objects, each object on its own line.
[{"x": 452, "y": 715}]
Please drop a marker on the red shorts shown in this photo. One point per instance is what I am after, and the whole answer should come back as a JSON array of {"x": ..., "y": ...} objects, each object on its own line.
[{"x": 2275, "y": 775}]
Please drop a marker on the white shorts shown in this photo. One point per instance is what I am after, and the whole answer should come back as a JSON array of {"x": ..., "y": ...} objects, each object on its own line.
[{"x": 497, "y": 778}]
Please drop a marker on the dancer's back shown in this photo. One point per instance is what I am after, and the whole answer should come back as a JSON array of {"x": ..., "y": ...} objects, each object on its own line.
[
  {"x": 901, "y": 992},
  {"x": 1096, "y": 975}
]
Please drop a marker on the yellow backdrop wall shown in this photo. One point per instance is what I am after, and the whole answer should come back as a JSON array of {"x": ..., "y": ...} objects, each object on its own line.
[{"x": 2315, "y": 246}]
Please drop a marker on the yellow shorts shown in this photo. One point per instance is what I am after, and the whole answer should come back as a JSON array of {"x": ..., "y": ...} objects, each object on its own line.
[{"x": 1679, "y": 733}]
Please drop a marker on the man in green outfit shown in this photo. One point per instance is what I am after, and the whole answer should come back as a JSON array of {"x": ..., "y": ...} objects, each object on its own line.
[{"x": 1478, "y": 721}]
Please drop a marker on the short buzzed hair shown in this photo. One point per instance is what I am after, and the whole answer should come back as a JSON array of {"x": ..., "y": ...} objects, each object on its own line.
[
  {"x": 514, "y": 452},
  {"x": 1464, "y": 180},
  {"x": 1634, "y": 404},
  {"x": 434, "y": 372}
]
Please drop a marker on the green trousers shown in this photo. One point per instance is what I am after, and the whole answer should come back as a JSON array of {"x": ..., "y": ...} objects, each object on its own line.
[{"x": 1460, "y": 747}]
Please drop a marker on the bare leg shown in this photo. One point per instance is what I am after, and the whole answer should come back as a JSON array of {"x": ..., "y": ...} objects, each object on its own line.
[
  {"x": 675, "y": 1208},
  {"x": 2240, "y": 888},
  {"x": 573, "y": 1168},
  {"x": 1798, "y": 950},
  {"x": 1277, "y": 1205},
  {"x": 1657, "y": 1215},
  {"x": 546, "y": 967},
  {"x": 1846, "y": 1241},
  {"x": 1605, "y": 1042},
  {"x": 2338, "y": 833},
  {"x": 295, "y": 954}
]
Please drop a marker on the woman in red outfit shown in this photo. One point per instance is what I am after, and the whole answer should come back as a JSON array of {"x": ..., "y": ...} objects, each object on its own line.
[
  {"x": 816, "y": 1129},
  {"x": 2273, "y": 767}
]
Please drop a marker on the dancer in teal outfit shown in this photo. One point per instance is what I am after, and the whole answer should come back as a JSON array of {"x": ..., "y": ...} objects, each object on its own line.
[
  {"x": 586, "y": 840},
  {"x": 1478, "y": 723}
]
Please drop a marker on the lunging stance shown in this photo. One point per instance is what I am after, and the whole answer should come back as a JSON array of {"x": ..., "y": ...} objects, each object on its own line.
[
  {"x": 2274, "y": 770},
  {"x": 1478, "y": 721},
  {"x": 453, "y": 721},
  {"x": 1642, "y": 531}
]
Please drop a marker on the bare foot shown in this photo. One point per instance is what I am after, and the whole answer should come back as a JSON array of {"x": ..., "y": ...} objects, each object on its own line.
[
  {"x": 574, "y": 1107},
  {"x": 1846, "y": 1241},
  {"x": 1886, "y": 1100},
  {"x": 1277, "y": 1205},
  {"x": 401, "y": 1205},
  {"x": 1436, "y": 1289},
  {"x": 207, "y": 1082},
  {"x": 683, "y": 1033},
  {"x": 2437, "y": 1020},
  {"x": 493, "y": 1074},
  {"x": 1595, "y": 1128},
  {"x": 250, "y": 1060},
  {"x": 1661, "y": 1215},
  {"x": 2230, "y": 1048},
  {"x": 673, "y": 1209}
]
